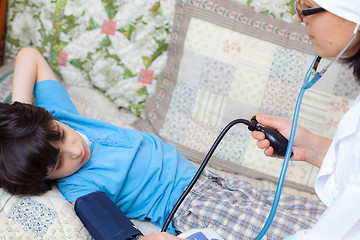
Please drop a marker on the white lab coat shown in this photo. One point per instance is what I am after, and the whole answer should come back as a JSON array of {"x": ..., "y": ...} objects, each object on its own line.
[{"x": 338, "y": 183}]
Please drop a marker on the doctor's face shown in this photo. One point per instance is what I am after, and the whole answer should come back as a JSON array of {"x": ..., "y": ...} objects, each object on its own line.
[{"x": 329, "y": 33}]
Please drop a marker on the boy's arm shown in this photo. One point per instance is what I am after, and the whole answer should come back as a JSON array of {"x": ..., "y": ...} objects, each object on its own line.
[{"x": 30, "y": 68}]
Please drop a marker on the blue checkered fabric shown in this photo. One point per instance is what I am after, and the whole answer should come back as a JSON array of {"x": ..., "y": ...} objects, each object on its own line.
[{"x": 237, "y": 210}]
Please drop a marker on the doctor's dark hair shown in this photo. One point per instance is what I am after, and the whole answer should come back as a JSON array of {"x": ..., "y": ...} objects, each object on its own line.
[
  {"x": 354, "y": 62},
  {"x": 26, "y": 152}
]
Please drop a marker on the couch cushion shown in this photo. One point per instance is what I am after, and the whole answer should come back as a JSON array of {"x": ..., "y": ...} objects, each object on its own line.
[{"x": 226, "y": 62}]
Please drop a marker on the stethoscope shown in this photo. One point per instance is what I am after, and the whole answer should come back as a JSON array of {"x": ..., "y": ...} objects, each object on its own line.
[{"x": 252, "y": 125}]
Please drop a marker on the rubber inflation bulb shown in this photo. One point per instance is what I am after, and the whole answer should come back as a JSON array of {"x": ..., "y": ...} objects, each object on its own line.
[{"x": 276, "y": 139}]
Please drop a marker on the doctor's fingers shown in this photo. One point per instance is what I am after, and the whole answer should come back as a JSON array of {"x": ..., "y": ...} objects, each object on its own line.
[
  {"x": 258, "y": 135},
  {"x": 275, "y": 122},
  {"x": 263, "y": 144},
  {"x": 269, "y": 152}
]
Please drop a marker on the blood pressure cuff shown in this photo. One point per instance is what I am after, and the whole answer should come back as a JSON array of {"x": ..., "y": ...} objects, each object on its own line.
[{"x": 103, "y": 219}]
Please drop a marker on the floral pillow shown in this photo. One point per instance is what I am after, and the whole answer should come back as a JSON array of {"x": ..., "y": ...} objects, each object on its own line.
[{"x": 118, "y": 47}]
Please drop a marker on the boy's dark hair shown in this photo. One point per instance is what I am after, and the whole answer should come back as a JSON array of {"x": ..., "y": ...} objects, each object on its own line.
[{"x": 27, "y": 133}]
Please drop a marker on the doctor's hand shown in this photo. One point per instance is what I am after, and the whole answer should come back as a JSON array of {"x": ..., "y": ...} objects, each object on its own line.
[
  {"x": 307, "y": 146},
  {"x": 161, "y": 236}
]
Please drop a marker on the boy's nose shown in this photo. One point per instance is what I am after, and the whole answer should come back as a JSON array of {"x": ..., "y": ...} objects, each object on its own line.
[{"x": 74, "y": 151}]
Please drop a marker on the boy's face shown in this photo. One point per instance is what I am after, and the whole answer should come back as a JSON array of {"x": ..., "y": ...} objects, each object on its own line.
[{"x": 73, "y": 152}]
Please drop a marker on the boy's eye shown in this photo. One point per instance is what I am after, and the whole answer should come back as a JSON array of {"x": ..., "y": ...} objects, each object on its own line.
[
  {"x": 61, "y": 132},
  {"x": 62, "y": 135},
  {"x": 59, "y": 161}
]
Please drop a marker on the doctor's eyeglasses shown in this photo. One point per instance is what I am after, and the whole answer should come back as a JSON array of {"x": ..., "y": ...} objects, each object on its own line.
[{"x": 301, "y": 11}]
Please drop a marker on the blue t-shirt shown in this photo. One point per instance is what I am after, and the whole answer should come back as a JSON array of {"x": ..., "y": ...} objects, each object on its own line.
[{"x": 142, "y": 175}]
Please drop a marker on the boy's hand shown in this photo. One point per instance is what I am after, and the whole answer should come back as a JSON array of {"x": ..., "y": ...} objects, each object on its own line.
[
  {"x": 160, "y": 236},
  {"x": 30, "y": 68}
]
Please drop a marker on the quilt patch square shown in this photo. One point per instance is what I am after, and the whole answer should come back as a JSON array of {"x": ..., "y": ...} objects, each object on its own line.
[
  {"x": 200, "y": 136},
  {"x": 288, "y": 65},
  {"x": 235, "y": 110},
  {"x": 198, "y": 34},
  {"x": 209, "y": 107},
  {"x": 216, "y": 77},
  {"x": 175, "y": 126},
  {"x": 232, "y": 147},
  {"x": 183, "y": 98},
  {"x": 190, "y": 68},
  {"x": 33, "y": 215},
  {"x": 279, "y": 98},
  {"x": 344, "y": 87},
  {"x": 248, "y": 85},
  {"x": 313, "y": 112},
  {"x": 256, "y": 53},
  {"x": 336, "y": 108}
]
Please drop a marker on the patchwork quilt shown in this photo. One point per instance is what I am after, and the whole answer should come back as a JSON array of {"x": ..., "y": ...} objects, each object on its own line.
[{"x": 227, "y": 62}]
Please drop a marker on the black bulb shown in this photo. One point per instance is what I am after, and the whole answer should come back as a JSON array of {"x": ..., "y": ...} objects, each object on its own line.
[{"x": 277, "y": 141}]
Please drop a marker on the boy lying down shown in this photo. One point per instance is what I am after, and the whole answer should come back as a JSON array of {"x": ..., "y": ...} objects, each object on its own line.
[{"x": 52, "y": 144}]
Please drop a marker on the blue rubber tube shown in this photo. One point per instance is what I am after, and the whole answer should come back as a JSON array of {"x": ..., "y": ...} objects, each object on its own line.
[{"x": 307, "y": 84}]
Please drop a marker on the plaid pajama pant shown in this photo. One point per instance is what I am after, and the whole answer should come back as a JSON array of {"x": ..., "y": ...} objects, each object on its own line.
[{"x": 237, "y": 210}]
